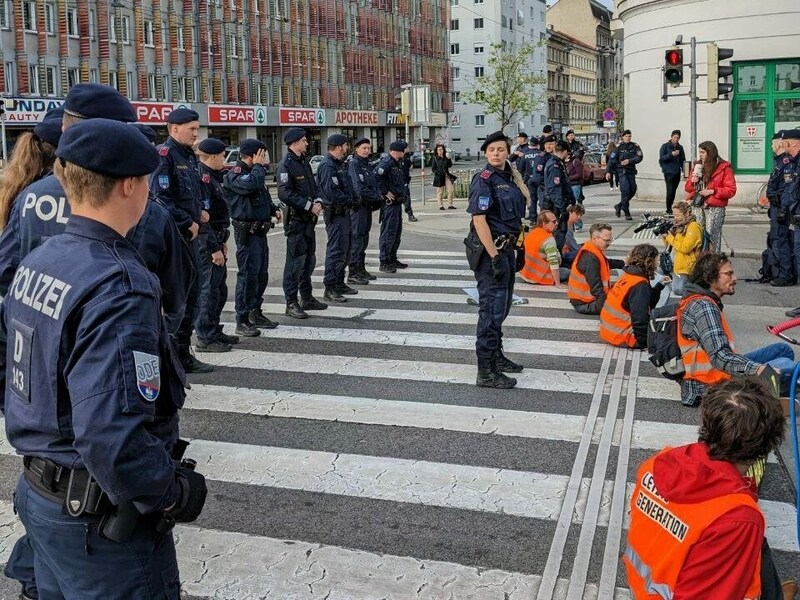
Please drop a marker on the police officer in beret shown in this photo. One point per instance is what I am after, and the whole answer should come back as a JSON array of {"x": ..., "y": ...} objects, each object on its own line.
[
  {"x": 406, "y": 165},
  {"x": 623, "y": 161},
  {"x": 298, "y": 191},
  {"x": 92, "y": 390},
  {"x": 557, "y": 190},
  {"x": 497, "y": 199},
  {"x": 252, "y": 211},
  {"x": 147, "y": 131},
  {"x": 213, "y": 238},
  {"x": 336, "y": 192},
  {"x": 535, "y": 174},
  {"x": 176, "y": 182},
  {"x": 392, "y": 184},
  {"x": 790, "y": 196},
  {"x": 367, "y": 199}
]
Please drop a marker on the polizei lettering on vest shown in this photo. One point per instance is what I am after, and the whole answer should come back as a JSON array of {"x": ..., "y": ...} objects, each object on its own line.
[
  {"x": 46, "y": 207},
  {"x": 669, "y": 522},
  {"x": 40, "y": 291}
]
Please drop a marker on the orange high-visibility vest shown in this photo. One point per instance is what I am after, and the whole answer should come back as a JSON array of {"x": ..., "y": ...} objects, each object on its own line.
[
  {"x": 662, "y": 533},
  {"x": 695, "y": 360},
  {"x": 616, "y": 327},
  {"x": 537, "y": 269},
  {"x": 578, "y": 288}
]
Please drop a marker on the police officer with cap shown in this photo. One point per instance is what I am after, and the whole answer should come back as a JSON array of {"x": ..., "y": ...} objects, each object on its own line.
[
  {"x": 213, "y": 238},
  {"x": 147, "y": 131},
  {"x": 623, "y": 161},
  {"x": 406, "y": 164},
  {"x": 336, "y": 192},
  {"x": 557, "y": 190},
  {"x": 497, "y": 205},
  {"x": 367, "y": 199},
  {"x": 92, "y": 390},
  {"x": 252, "y": 211},
  {"x": 392, "y": 185},
  {"x": 176, "y": 182},
  {"x": 535, "y": 174},
  {"x": 297, "y": 190},
  {"x": 789, "y": 209}
]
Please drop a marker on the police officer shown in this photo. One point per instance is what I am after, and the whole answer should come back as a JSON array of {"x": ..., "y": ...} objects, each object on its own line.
[
  {"x": 213, "y": 238},
  {"x": 252, "y": 210},
  {"x": 406, "y": 164},
  {"x": 336, "y": 192},
  {"x": 780, "y": 237},
  {"x": 623, "y": 161},
  {"x": 367, "y": 199},
  {"x": 576, "y": 147},
  {"x": 535, "y": 174},
  {"x": 557, "y": 190},
  {"x": 789, "y": 209},
  {"x": 392, "y": 184},
  {"x": 497, "y": 206},
  {"x": 297, "y": 190},
  {"x": 522, "y": 158},
  {"x": 92, "y": 389},
  {"x": 177, "y": 184}
]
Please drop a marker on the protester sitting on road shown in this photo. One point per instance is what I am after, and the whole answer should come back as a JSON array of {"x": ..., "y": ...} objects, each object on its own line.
[
  {"x": 706, "y": 340},
  {"x": 565, "y": 234},
  {"x": 686, "y": 239},
  {"x": 696, "y": 529},
  {"x": 542, "y": 258},
  {"x": 625, "y": 315},
  {"x": 590, "y": 277}
]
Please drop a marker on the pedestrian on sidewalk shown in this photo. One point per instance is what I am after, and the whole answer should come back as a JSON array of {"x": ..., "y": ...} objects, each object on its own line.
[
  {"x": 623, "y": 161},
  {"x": 686, "y": 240},
  {"x": 714, "y": 187},
  {"x": 613, "y": 180},
  {"x": 671, "y": 157},
  {"x": 442, "y": 178}
]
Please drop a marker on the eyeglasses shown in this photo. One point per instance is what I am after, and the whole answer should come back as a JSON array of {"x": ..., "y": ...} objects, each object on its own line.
[
  {"x": 726, "y": 273},
  {"x": 607, "y": 240},
  {"x": 553, "y": 221}
]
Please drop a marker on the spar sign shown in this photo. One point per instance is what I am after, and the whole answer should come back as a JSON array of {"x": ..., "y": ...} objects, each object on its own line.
[
  {"x": 236, "y": 114},
  {"x": 302, "y": 116},
  {"x": 156, "y": 113}
]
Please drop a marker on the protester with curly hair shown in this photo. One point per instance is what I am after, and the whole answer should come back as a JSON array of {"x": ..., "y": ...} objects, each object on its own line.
[{"x": 686, "y": 239}]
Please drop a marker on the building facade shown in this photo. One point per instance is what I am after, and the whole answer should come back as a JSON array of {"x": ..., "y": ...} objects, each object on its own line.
[
  {"x": 572, "y": 86},
  {"x": 766, "y": 95},
  {"x": 474, "y": 26},
  {"x": 251, "y": 68}
]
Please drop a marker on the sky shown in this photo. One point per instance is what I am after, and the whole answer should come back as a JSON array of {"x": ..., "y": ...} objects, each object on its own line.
[{"x": 608, "y": 3}]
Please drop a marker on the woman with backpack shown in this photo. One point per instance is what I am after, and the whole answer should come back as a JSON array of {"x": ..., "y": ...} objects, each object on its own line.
[
  {"x": 713, "y": 188},
  {"x": 442, "y": 178},
  {"x": 686, "y": 239}
]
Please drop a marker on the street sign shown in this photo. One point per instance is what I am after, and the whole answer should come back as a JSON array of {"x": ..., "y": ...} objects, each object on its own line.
[
  {"x": 610, "y": 124},
  {"x": 609, "y": 114}
]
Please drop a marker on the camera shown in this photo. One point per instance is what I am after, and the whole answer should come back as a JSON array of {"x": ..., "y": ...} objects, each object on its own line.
[{"x": 658, "y": 225}]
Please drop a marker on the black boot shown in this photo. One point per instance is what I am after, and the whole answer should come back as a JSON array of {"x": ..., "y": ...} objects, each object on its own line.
[
  {"x": 332, "y": 294},
  {"x": 356, "y": 277},
  {"x": 312, "y": 303},
  {"x": 490, "y": 377},
  {"x": 617, "y": 210},
  {"x": 258, "y": 319},
  {"x": 192, "y": 365},
  {"x": 366, "y": 274},
  {"x": 293, "y": 310},
  {"x": 346, "y": 290},
  {"x": 628, "y": 216},
  {"x": 387, "y": 267},
  {"x": 399, "y": 265},
  {"x": 505, "y": 364},
  {"x": 246, "y": 329}
]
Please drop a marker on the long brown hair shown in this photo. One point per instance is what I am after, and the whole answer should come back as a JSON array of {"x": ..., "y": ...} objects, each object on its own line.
[
  {"x": 711, "y": 161},
  {"x": 643, "y": 257},
  {"x": 31, "y": 158}
]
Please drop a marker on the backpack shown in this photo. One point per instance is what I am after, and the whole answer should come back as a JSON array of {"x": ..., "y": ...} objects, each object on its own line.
[
  {"x": 662, "y": 341},
  {"x": 770, "y": 265},
  {"x": 706, "y": 245}
]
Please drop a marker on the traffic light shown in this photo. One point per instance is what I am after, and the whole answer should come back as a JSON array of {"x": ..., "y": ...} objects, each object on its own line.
[
  {"x": 673, "y": 66},
  {"x": 717, "y": 71}
]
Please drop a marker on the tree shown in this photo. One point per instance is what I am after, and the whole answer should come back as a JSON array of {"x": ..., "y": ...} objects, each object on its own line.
[
  {"x": 510, "y": 89},
  {"x": 612, "y": 98}
]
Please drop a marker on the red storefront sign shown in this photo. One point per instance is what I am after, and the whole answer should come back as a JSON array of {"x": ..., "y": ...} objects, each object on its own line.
[
  {"x": 155, "y": 113},
  {"x": 356, "y": 117},
  {"x": 234, "y": 114},
  {"x": 302, "y": 116}
]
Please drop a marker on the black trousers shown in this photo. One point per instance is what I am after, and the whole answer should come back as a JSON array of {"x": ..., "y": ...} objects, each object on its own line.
[{"x": 672, "y": 181}]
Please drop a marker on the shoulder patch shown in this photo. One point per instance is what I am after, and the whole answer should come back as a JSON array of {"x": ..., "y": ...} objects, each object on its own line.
[
  {"x": 237, "y": 169},
  {"x": 786, "y": 160},
  {"x": 284, "y": 177},
  {"x": 163, "y": 151},
  {"x": 163, "y": 181},
  {"x": 557, "y": 180},
  {"x": 148, "y": 375},
  {"x": 483, "y": 202},
  {"x": 381, "y": 170},
  {"x": 485, "y": 174},
  {"x": 206, "y": 178},
  {"x": 613, "y": 155},
  {"x": 540, "y": 167},
  {"x": 335, "y": 180}
]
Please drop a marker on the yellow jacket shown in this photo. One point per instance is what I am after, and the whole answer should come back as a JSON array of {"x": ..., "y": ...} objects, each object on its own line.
[{"x": 687, "y": 247}]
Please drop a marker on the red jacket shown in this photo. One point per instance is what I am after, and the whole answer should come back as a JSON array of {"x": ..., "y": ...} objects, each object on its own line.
[
  {"x": 722, "y": 562},
  {"x": 721, "y": 181}
]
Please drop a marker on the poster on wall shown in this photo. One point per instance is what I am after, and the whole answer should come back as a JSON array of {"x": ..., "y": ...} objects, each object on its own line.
[{"x": 751, "y": 145}]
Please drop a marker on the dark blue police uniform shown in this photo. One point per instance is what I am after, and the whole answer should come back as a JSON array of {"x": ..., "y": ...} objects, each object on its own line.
[
  {"x": 368, "y": 199},
  {"x": 406, "y": 165},
  {"x": 781, "y": 237},
  {"x": 557, "y": 190},
  {"x": 336, "y": 191},
  {"x": 535, "y": 181},
  {"x": 390, "y": 177},
  {"x": 631, "y": 152},
  {"x": 790, "y": 202}
]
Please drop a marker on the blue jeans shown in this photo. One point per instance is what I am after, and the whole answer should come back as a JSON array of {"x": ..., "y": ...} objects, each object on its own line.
[
  {"x": 779, "y": 356},
  {"x": 577, "y": 191}
]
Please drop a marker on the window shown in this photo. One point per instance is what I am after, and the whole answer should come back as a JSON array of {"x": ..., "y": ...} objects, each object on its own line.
[
  {"x": 112, "y": 30},
  {"x": 33, "y": 79},
  {"x": 50, "y": 79},
  {"x": 480, "y": 120},
  {"x": 478, "y": 1},
  {"x": 479, "y": 23},
  {"x": 453, "y": 24},
  {"x": 182, "y": 89},
  {"x": 456, "y": 97},
  {"x": 503, "y": 22},
  {"x": 94, "y": 76},
  {"x": 181, "y": 47},
  {"x": 92, "y": 24},
  {"x": 73, "y": 77},
  {"x": 456, "y": 72},
  {"x": 130, "y": 83},
  {"x": 454, "y": 2},
  {"x": 126, "y": 29},
  {"x": 49, "y": 19},
  {"x": 164, "y": 35},
  {"x": 5, "y": 13},
  {"x": 455, "y": 48},
  {"x": 234, "y": 53},
  {"x": 166, "y": 90},
  {"x": 29, "y": 16},
  {"x": 72, "y": 22},
  {"x": 479, "y": 48},
  {"x": 152, "y": 91},
  {"x": 9, "y": 78},
  {"x": 478, "y": 71},
  {"x": 148, "y": 34}
]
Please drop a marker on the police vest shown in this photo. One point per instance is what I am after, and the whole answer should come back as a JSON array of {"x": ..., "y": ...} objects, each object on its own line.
[
  {"x": 662, "y": 533},
  {"x": 537, "y": 269},
  {"x": 578, "y": 288},
  {"x": 695, "y": 360},
  {"x": 616, "y": 327}
]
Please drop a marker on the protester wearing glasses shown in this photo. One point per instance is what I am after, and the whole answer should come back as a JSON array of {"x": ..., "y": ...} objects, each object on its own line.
[
  {"x": 590, "y": 278},
  {"x": 542, "y": 258}
]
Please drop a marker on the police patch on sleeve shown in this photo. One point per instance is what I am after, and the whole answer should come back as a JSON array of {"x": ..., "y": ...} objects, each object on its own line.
[
  {"x": 335, "y": 180},
  {"x": 206, "y": 178},
  {"x": 148, "y": 375},
  {"x": 380, "y": 170},
  {"x": 361, "y": 177},
  {"x": 483, "y": 202},
  {"x": 557, "y": 180},
  {"x": 163, "y": 181},
  {"x": 540, "y": 167},
  {"x": 284, "y": 178}
]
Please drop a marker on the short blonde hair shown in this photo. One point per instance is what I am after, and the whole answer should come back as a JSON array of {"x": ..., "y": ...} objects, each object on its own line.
[{"x": 83, "y": 186}]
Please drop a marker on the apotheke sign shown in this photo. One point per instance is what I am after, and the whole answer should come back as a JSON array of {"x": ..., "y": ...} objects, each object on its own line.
[
  {"x": 302, "y": 116},
  {"x": 355, "y": 117},
  {"x": 237, "y": 115}
]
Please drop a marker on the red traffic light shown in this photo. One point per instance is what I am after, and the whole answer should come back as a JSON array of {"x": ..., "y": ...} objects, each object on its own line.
[
  {"x": 674, "y": 57},
  {"x": 673, "y": 67}
]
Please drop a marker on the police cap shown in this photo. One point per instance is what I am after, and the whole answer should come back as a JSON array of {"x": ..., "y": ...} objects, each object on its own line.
[
  {"x": 548, "y": 138},
  {"x": 791, "y": 134},
  {"x": 398, "y": 146},
  {"x": 250, "y": 146},
  {"x": 626, "y": 132},
  {"x": 294, "y": 134},
  {"x": 147, "y": 131},
  {"x": 522, "y": 135},
  {"x": 497, "y": 136},
  {"x": 361, "y": 142},
  {"x": 98, "y": 101},
  {"x": 337, "y": 139},
  {"x": 108, "y": 147},
  {"x": 49, "y": 130},
  {"x": 182, "y": 115},
  {"x": 212, "y": 146}
]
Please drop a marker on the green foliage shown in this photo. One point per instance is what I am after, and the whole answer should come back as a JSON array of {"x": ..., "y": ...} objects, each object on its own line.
[
  {"x": 509, "y": 89},
  {"x": 612, "y": 98}
]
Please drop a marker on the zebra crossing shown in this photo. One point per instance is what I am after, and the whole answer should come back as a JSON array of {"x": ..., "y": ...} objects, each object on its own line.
[{"x": 350, "y": 456}]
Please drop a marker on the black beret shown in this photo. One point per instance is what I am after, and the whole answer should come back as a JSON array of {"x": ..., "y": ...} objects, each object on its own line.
[
  {"x": 337, "y": 139},
  {"x": 361, "y": 142},
  {"x": 294, "y": 134},
  {"x": 398, "y": 146},
  {"x": 98, "y": 101},
  {"x": 626, "y": 132},
  {"x": 212, "y": 146},
  {"x": 49, "y": 130},
  {"x": 523, "y": 135},
  {"x": 497, "y": 136},
  {"x": 547, "y": 129},
  {"x": 250, "y": 146},
  {"x": 182, "y": 115},
  {"x": 109, "y": 148},
  {"x": 791, "y": 134},
  {"x": 548, "y": 138},
  {"x": 147, "y": 131}
]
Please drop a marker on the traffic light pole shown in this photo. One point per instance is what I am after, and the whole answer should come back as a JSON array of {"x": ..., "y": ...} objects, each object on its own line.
[{"x": 693, "y": 99}]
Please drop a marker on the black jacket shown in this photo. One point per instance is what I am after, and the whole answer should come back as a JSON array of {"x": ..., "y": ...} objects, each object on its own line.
[{"x": 641, "y": 299}]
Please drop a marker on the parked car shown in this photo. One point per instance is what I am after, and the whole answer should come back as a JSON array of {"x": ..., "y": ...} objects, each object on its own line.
[
  {"x": 593, "y": 171},
  {"x": 416, "y": 159},
  {"x": 596, "y": 148},
  {"x": 315, "y": 161},
  {"x": 453, "y": 154}
]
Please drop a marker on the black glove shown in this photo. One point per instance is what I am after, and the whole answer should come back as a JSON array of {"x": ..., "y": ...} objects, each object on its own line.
[
  {"x": 499, "y": 268},
  {"x": 520, "y": 259},
  {"x": 192, "y": 496},
  {"x": 783, "y": 216}
]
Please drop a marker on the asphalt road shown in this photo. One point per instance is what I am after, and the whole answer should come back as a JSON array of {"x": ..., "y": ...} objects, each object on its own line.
[{"x": 350, "y": 456}]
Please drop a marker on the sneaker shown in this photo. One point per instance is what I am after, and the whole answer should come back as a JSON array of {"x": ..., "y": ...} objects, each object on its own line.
[
  {"x": 451, "y": 207},
  {"x": 293, "y": 310},
  {"x": 258, "y": 319},
  {"x": 387, "y": 268},
  {"x": 333, "y": 295},
  {"x": 795, "y": 312},
  {"x": 355, "y": 277},
  {"x": 346, "y": 290},
  {"x": 228, "y": 339},
  {"x": 781, "y": 282},
  {"x": 212, "y": 346},
  {"x": 617, "y": 211},
  {"x": 441, "y": 208},
  {"x": 628, "y": 217},
  {"x": 412, "y": 219},
  {"x": 366, "y": 274},
  {"x": 399, "y": 265},
  {"x": 312, "y": 303},
  {"x": 192, "y": 365},
  {"x": 247, "y": 329}
]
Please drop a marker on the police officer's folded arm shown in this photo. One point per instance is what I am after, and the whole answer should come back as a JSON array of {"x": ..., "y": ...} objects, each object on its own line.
[{"x": 167, "y": 189}]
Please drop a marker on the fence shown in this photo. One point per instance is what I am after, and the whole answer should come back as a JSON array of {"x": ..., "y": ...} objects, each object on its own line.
[{"x": 461, "y": 186}]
